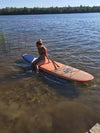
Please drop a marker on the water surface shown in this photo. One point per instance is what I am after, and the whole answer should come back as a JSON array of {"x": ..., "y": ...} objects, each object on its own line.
[{"x": 43, "y": 103}]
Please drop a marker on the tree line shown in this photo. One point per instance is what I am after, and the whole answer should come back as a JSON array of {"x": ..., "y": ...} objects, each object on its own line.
[{"x": 50, "y": 10}]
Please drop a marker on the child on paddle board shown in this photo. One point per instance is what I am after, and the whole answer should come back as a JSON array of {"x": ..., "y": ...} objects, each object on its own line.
[{"x": 42, "y": 56}]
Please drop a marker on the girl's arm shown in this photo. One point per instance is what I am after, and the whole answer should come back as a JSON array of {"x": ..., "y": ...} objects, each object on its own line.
[{"x": 45, "y": 52}]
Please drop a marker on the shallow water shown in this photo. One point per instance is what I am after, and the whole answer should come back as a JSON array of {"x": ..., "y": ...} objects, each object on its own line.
[{"x": 43, "y": 103}]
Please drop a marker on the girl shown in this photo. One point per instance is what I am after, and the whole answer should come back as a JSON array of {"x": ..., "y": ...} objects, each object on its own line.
[{"x": 42, "y": 56}]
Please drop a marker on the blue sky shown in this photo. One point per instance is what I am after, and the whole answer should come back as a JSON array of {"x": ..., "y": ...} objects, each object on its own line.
[{"x": 47, "y": 3}]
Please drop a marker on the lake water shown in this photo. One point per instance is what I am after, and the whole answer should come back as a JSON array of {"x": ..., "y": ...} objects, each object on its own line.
[{"x": 40, "y": 103}]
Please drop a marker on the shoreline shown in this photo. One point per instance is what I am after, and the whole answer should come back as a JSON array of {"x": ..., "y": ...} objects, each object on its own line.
[{"x": 49, "y": 10}]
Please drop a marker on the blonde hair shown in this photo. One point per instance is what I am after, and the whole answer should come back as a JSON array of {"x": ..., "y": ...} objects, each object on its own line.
[{"x": 40, "y": 40}]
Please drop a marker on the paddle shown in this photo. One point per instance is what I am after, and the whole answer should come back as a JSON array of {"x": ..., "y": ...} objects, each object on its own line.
[{"x": 54, "y": 63}]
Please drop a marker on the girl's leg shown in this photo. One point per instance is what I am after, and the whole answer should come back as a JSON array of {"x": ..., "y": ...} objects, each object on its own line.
[
  {"x": 33, "y": 65},
  {"x": 39, "y": 64}
]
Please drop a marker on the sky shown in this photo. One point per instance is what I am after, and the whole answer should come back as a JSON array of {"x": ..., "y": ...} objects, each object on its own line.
[{"x": 47, "y": 3}]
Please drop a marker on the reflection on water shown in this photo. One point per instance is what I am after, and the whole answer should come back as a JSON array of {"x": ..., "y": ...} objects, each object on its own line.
[{"x": 43, "y": 103}]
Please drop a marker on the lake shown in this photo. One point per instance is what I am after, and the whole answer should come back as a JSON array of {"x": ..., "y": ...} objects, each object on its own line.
[{"x": 41, "y": 103}]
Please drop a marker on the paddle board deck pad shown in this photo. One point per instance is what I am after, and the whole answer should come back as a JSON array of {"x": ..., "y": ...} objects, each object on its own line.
[{"x": 60, "y": 70}]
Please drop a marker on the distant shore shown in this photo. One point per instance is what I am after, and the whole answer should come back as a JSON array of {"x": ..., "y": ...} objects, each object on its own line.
[{"x": 49, "y": 10}]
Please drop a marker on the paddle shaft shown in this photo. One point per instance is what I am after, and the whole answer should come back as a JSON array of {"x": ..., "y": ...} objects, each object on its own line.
[{"x": 54, "y": 63}]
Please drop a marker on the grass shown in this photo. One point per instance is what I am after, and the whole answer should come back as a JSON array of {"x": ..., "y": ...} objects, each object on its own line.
[{"x": 2, "y": 39}]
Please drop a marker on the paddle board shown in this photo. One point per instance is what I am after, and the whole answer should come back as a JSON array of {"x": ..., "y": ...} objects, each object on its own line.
[{"x": 60, "y": 70}]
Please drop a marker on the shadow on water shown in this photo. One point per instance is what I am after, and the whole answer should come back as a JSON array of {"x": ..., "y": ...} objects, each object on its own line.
[
  {"x": 62, "y": 87},
  {"x": 66, "y": 88}
]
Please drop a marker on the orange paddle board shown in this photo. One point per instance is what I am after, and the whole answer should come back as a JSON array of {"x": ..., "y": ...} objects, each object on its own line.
[{"x": 60, "y": 70}]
